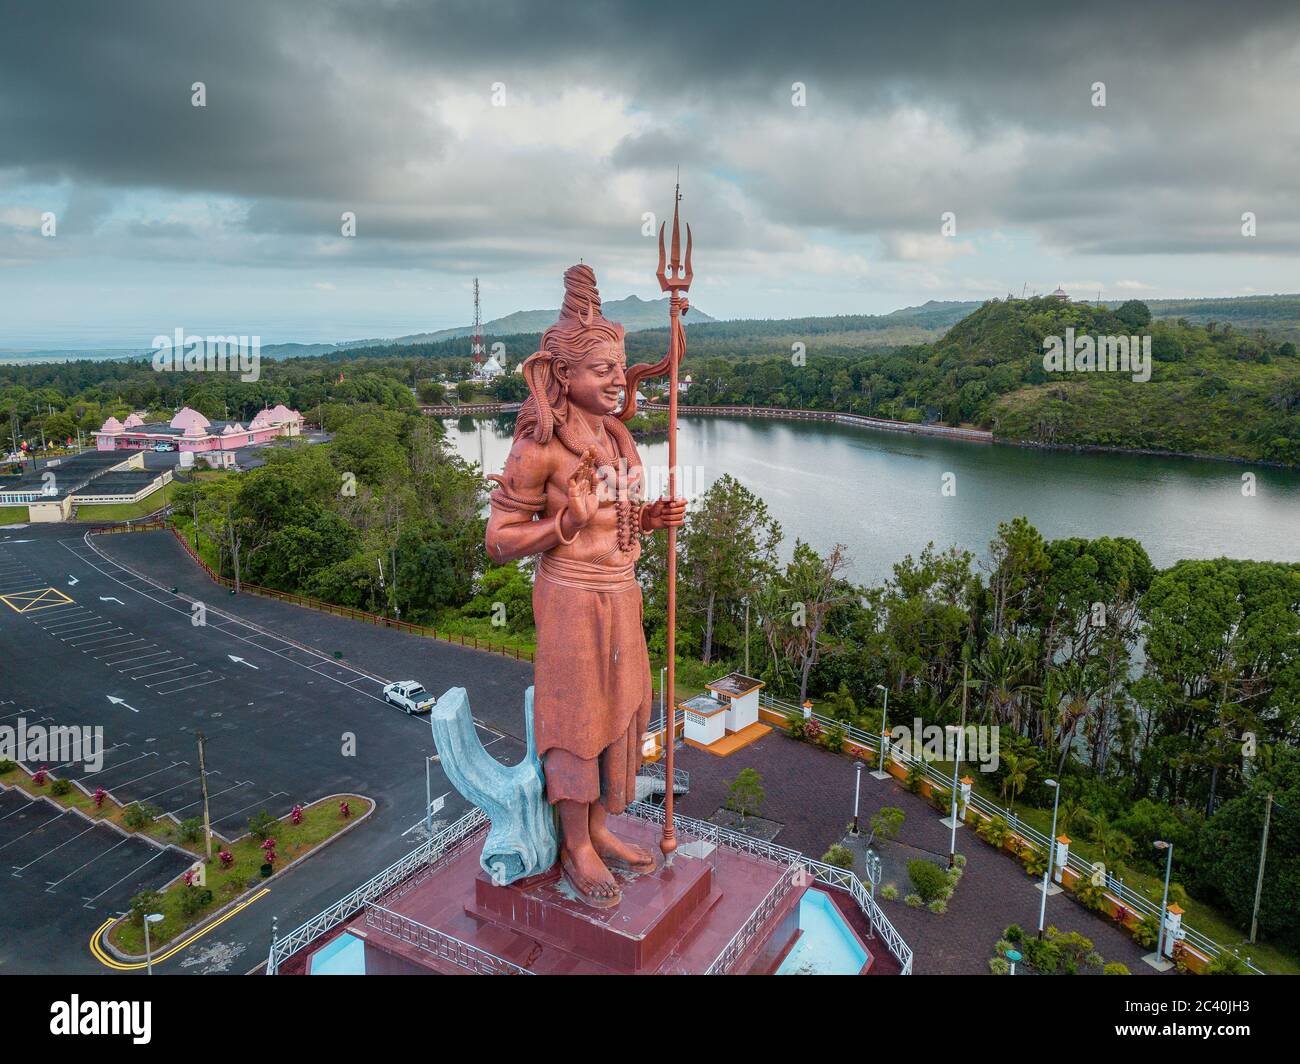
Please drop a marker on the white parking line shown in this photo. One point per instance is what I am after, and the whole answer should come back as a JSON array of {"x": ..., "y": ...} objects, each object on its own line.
[
  {"x": 54, "y": 849},
  {"x": 164, "y": 672},
  {"x": 119, "y": 764},
  {"x": 49, "y": 889},
  {"x": 165, "y": 661},
  {"x": 127, "y": 783},
  {"x": 58, "y": 816},
  {"x": 190, "y": 687},
  {"x": 133, "y": 871}
]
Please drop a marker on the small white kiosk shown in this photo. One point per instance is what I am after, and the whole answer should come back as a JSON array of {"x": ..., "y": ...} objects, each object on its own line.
[
  {"x": 739, "y": 694},
  {"x": 706, "y": 719}
]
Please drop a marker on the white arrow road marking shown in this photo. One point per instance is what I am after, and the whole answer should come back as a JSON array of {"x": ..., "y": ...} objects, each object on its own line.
[
  {"x": 121, "y": 702},
  {"x": 72, "y": 581},
  {"x": 241, "y": 661},
  {"x": 110, "y": 598}
]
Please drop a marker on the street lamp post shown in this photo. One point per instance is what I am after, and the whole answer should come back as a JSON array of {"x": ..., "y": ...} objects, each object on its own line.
[
  {"x": 857, "y": 792},
  {"x": 150, "y": 918},
  {"x": 881, "y": 773},
  {"x": 1168, "y": 847},
  {"x": 1051, "y": 855}
]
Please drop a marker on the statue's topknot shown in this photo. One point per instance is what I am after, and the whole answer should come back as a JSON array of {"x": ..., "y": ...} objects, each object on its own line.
[{"x": 581, "y": 298}]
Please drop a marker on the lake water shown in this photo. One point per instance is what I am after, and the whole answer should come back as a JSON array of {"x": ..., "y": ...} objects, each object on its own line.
[{"x": 881, "y": 493}]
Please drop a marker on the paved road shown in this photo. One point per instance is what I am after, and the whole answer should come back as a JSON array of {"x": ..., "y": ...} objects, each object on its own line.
[{"x": 81, "y": 624}]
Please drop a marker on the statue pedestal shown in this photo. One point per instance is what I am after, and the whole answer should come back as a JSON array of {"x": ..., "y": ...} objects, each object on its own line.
[
  {"x": 676, "y": 920},
  {"x": 657, "y": 910}
]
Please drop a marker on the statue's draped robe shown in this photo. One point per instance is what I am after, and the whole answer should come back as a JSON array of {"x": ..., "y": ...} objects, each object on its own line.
[{"x": 592, "y": 674}]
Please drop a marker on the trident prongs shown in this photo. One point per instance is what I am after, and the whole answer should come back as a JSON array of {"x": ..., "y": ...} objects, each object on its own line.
[{"x": 672, "y": 276}]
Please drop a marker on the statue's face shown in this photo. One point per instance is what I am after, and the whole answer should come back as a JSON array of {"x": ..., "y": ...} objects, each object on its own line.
[{"x": 597, "y": 383}]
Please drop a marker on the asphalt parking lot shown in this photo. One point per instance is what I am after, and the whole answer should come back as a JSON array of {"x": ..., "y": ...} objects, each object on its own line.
[{"x": 91, "y": 634}]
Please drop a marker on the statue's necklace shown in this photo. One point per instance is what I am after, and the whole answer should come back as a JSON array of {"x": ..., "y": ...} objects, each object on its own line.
[{"x": 627, "y": 517}]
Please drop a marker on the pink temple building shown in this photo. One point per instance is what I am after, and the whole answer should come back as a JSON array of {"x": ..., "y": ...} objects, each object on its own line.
[{"x": 191, "y": 431}]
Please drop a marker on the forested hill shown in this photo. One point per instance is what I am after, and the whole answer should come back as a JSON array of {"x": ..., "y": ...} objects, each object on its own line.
[{"x": 1213, "y": 390}]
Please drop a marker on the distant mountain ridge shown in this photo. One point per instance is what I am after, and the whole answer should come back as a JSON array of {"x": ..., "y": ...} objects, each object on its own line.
[{"x": 633, "y": 313}]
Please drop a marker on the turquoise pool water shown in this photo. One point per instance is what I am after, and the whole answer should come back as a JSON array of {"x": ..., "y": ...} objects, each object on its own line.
[
  {"x": 346, "y": 955},
  {"x": 827, "y": 945}
]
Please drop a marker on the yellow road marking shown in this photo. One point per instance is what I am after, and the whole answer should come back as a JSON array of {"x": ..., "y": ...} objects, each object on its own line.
[
  {"x": 41, "y": 598},
  {"x": 109, "y": 961}
]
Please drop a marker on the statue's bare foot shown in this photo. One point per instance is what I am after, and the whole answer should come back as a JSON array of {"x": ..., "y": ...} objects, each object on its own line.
[
  {"x": 589, "y": 876},
  {"x": 629, "y": 855}
]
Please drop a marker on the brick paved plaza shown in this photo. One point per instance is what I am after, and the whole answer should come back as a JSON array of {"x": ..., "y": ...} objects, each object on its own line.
[{"x": 810, "y": 791}]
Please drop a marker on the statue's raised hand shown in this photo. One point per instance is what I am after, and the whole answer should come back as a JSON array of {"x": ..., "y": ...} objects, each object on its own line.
[{"x": 583, "y": 501}]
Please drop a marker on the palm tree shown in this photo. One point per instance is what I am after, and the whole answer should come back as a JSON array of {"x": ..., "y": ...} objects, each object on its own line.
[
  {"x": 1007, "y": 668},
  {"x": 1019, "y": 766},
  {"x": 1073, "y": 813},
  {"x": 1109, "y": 840}
]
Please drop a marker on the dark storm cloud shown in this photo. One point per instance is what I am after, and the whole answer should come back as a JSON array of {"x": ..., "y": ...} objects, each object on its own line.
[{"x": 316, "y": 108}]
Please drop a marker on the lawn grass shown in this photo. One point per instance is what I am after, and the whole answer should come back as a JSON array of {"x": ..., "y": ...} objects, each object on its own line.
[
  {"x": 13, "y": 515},
  {"x": 321, "y": 821},
  {"x": 127, "y": 511}
]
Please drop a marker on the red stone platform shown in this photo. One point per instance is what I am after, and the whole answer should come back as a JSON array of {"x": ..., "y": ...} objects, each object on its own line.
[{"x": 675, "y": 920}]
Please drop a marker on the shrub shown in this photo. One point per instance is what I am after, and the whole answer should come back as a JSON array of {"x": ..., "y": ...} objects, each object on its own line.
[
  {"x": 929, "y": 879},
  {"x": 959, "y": 861},
  {"x": 794, "y": 724},
  {"x": 145, "y": 902},
  {"x": 939, "y": 906},
  {"x": 1227, "y": 964},
  {"x": 914, "y": 900},
  {"x": 227, "y": 858},
  {"x": 915, "y": 777},
  {"x": 812, "y": 731},
  {"x": 1035, "y": 861},
  {"x": 99, "y": 796},
  {"x": 191, "y": 829},
  {"x": 1042, "y": 954},
  {"x": 295, "y": 815},
  {"x": 1073, "y": 946},
  {"x": 889, "y": 892},
  {"x": 839, "y": 856},
  {"x": 1147, "y": 932},
  {"x": 1115, "y": 968},
  {"x": 345, "y": 810},
  {"x": 193, "y": 899},
  {"x": 995, "y": 831},
  {"x": 1091, "y": 897},
  {"x": 887, "y": 822},
  {"x": 1013, "y": 934},
  {"x": 7, "y": 766},
  {"x": 40, "y": 776},
  {"x": 834, "y": 740},
  {"x": 1094, "y": 960},
  {"x": 1003, "y": 946},
  {"x": 59, "y": 788},
  {"x": 941, "y": 799},
  {"x": 261, "y": 824},
  {"x": 999, "y": 965},
  {"x": 139, "y": 815}
]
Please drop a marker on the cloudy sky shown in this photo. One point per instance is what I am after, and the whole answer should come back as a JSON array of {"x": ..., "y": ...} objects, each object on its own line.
[{"x": 509, "y": 139}]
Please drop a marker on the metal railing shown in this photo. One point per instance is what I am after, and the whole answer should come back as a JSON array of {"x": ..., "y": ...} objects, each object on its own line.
[
  {"x": 420, "y": 859},
  {"x": 819, "y": 870},
  {"x": 656, "y": 770},
  {"x": 1123, "y": 894},
  {"x": 726, "y": 961},
  {"x": 842, "y": 417},
  {"x": 438, "y": 943}
]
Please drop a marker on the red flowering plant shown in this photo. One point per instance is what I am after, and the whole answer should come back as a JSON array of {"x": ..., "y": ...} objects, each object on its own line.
[
  {"x": 227, "y": 858},
  {"x": 295, "y": 814},
  {"x": 40, "y": 776},
  {"x": 345, "y": 810},
  {"x": 189, "y": 877},
  {"x": 812, "y": 731},
  {"x": 99, "y": 796}
]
